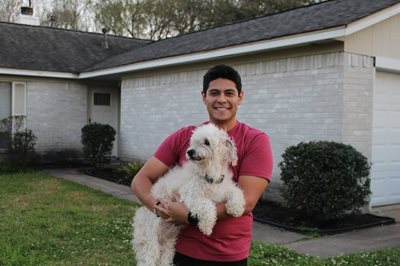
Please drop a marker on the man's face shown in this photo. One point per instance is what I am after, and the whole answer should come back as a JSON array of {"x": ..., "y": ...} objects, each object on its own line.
[{"x": 222, "y": 100}]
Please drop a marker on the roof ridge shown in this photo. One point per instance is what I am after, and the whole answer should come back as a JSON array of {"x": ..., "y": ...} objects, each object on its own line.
[{"x": 72, "y": 30}]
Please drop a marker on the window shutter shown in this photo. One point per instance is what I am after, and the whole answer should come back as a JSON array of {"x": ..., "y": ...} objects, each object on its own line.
[
  {"x": 19, "y": 98},
  {"x": 18, "y": 102}
]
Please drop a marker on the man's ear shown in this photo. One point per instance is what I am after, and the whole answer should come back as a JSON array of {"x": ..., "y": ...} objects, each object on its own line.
[
  {"x": 203, "y": 96},
  {"x": 241, "y": 96}
]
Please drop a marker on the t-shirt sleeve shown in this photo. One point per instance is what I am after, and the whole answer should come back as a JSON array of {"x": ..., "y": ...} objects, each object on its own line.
[
  {"x": 170, "y": 149},
  {"x": 258, "y": 160}
]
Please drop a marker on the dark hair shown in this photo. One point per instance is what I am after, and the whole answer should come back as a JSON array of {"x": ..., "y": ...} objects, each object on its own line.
[{"x": 225, "y": 72}]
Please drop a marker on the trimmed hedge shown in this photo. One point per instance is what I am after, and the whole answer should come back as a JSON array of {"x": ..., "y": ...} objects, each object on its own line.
[{"x": 324, "y": 180}]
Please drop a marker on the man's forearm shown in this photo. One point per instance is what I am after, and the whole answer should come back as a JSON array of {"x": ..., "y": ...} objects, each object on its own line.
[{"x": 141, "y": 187}]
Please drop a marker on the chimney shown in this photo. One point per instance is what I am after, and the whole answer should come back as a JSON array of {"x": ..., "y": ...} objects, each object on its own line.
[
  {"x": 104, "y": 44},
  {"x": 26, "y": 16}
]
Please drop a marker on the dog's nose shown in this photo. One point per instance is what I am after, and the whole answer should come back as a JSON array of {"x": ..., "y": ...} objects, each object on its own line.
[{"x": 191, "y": 153}]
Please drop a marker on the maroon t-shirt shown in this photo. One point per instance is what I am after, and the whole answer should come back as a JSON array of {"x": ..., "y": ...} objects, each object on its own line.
[{"x": 231, "y": 237}]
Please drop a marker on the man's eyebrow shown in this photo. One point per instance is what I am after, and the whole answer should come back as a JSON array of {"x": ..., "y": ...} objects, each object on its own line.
[{"x": 218, "y": 89}]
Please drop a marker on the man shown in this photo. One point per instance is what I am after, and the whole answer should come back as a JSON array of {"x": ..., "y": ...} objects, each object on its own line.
[{"x": 229, "y": 244}]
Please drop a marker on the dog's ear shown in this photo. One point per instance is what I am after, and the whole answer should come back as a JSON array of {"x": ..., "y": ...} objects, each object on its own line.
[{"x": 232, "y": 151}]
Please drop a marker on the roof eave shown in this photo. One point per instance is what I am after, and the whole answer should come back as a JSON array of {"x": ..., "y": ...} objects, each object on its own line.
[
  {"x": 242, "y": 49},
  {"x": 38, "y": 73}
]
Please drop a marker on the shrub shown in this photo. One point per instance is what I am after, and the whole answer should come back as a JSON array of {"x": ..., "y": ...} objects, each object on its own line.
[
  {"x": 132, "y": 169},
  {"x": 97, "y": 140},
  {"x": 21, "y": 141},
  {"x": 324, "y": 180},
  {"x": 128, "y": 171},
  {"x": 12, "y": 123},
  {"x": 22, "y": 147}
]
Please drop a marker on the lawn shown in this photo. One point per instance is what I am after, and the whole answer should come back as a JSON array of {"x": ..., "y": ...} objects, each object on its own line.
[{"x": 49, "y": 221}]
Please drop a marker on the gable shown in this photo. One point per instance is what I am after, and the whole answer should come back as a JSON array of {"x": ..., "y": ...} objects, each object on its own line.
[{"x": 381, "y": 39}]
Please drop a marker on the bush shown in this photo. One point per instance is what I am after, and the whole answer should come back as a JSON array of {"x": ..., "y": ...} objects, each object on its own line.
[
  {"x": 324, "y": 180},
  {"x": 22, "y": 147},
  {"x": 97, "y": 140},
  {"x": 132, "y": 169},
  {"x": 129, "y": 171}
]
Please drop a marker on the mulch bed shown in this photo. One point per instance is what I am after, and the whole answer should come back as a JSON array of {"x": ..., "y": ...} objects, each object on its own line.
[{"x": 274, "y": 214}]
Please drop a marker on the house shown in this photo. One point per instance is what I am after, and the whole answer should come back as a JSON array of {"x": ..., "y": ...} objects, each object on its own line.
[{"x": 328, "y": 71}]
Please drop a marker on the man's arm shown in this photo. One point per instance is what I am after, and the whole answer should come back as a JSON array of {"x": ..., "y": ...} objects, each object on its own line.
[
  {"x": 252, "y": 187},
  {"x": 143, "y": 181}
]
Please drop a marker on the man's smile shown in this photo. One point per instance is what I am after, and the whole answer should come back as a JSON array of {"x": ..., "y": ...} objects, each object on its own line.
[{"x": 222, "y": 107}]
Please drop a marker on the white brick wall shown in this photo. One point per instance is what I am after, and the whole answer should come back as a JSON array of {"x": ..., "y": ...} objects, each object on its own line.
[
  {"x": 152, "y": 108},
  {"x": 56, "y": 112},
  {"x": 315, "y": 97}
]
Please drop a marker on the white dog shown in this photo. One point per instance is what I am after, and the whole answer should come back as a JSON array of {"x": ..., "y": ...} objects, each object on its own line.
[{"x": 203, "y": 181}]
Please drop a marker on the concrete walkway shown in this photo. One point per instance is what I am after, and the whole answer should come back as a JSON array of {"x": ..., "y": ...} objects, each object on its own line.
[{"x": 375, "y": 238}]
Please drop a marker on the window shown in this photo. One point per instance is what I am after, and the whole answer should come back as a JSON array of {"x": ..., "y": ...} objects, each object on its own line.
[
  {"x": 102, "y": 98},
  {"x": 19, "y": 98}
]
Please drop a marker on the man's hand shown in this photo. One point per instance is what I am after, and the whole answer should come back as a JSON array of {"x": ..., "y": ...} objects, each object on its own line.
[{"x": 173, "y": 210}]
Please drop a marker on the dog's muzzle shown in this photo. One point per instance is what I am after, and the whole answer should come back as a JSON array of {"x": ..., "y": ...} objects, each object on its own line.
[{"x": 193, "y": 156}]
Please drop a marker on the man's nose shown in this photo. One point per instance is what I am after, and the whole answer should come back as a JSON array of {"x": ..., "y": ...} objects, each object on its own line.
[{"x": 221, "y": 98}]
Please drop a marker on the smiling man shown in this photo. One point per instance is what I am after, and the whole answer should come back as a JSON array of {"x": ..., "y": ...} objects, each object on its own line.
[{"x": 229, "y": 244}]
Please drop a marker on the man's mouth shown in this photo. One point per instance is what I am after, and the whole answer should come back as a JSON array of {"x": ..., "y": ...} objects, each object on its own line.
[{"x": 221, "y": 108}]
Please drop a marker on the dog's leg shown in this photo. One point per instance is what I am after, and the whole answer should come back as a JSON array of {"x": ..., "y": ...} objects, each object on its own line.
[
  {"x": 235, "y": 201},
  {"x": 167, "y": 236},
  {"x": 145, "y": 238},
  {"x": 206, "y": 212}
]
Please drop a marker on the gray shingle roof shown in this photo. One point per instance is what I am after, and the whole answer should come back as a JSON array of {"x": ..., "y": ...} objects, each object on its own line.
[
  {"x": 50, "y": 49},
  {"x": 310, "y": 18}
]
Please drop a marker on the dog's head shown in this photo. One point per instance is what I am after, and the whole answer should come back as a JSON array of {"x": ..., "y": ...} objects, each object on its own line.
[{"x": 209, "y": 144}]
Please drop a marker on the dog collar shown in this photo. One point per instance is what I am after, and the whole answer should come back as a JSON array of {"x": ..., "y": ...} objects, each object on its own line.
[{"x": 210, "y": 180}]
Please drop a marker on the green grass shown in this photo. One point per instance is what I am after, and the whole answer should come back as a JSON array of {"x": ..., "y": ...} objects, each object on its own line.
[
  {"x": 275, "y": 255},
  {"x": 49, "y": 221}
]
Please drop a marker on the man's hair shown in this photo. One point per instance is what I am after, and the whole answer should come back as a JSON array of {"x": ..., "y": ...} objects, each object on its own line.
[{"x": 224, "y": 72}]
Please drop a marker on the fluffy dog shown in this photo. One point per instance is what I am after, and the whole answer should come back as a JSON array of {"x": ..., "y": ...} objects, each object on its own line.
[{"x": 202, "y": 181}]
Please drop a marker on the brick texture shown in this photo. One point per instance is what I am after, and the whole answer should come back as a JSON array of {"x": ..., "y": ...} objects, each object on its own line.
[{"x": 314, "y": 97}]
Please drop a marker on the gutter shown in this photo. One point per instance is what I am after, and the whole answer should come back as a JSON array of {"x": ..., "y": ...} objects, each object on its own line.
[
  {"x": 38, "y": 73},
  {"x": 222, "y": 52}
]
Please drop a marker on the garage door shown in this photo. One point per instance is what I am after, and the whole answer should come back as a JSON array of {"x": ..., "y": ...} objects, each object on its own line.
[{"x": 385, "y": 170}]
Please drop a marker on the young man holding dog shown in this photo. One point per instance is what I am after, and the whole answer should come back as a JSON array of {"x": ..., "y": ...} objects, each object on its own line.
[{"x": 229, "y": 244}]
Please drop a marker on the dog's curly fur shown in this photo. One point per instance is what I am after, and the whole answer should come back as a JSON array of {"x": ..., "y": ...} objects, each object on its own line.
[{"x": 203, "y": 181}]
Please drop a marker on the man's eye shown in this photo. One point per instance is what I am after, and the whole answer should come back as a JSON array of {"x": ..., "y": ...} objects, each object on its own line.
[{"x": 206, "y": 142}]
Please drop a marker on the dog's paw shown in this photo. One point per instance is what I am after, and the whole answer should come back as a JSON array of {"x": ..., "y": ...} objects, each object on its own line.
[
  {"x": 206, "y": 228},
  {"x": 234, "y": 209}
]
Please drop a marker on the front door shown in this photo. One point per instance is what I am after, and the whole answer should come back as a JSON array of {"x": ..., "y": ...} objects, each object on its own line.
[{"x": 104, "y": 109}]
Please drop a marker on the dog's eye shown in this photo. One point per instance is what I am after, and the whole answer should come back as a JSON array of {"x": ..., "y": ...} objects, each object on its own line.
[{"x": 206, "y": 142}]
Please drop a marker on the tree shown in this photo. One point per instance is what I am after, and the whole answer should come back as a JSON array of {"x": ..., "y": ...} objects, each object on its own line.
[
  {"x": 9, "y": 9},
  {"x": 121, "y": 17},
  {"x": 67, "y": 14}
]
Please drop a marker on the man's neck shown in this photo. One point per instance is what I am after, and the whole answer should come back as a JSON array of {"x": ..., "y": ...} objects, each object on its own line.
[{"x": 225, "y": 126}]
